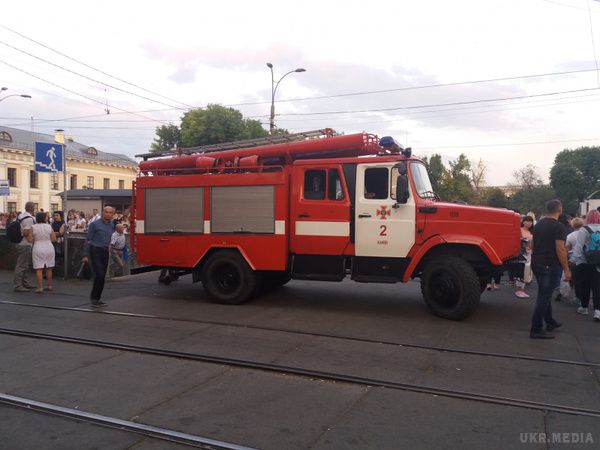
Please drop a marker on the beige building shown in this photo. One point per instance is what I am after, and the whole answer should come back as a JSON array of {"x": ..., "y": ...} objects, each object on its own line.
[{"x": 87, "y": 168}]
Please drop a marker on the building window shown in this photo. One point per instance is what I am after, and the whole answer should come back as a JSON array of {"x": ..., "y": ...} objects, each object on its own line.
[
  {"x": 33, "y": 179},
  {"x": 54, "y": 181},
  {"x": 106, "y": 183},
  {"x": 90, "y": 182},
  {"x": 53, "y": 207},
  {"x": 121, "y": 184},
  {"x": 12, "y": 177},
  {"x": 73, "y": 182},
  {"x": 11, "y": 207}
]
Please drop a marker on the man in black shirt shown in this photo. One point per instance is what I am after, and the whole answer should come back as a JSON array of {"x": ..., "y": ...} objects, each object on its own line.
[{"x": 548, "y": 261}]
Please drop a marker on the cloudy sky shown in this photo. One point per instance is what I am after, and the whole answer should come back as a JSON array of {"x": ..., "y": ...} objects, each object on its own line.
[{"x": 414, "y": 70}]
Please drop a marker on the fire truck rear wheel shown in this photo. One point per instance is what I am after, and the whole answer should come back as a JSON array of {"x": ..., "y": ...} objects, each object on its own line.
[
  {"x": 450, "y": 287},
  {"x": 228, "y": 279}
]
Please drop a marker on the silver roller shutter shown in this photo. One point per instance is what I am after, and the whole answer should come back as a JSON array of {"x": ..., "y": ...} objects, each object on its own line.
[
  {"x": 174, "y": 210},
  {"x": 243, "y": 209}
]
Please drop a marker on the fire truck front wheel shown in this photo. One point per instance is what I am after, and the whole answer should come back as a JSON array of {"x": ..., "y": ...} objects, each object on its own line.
[
  {"x": 228, "y": 279},
  {"x": 450, "y": 287}
]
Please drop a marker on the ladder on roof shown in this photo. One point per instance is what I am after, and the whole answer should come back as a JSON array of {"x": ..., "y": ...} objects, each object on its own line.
[{"x": 248, "y": 143}]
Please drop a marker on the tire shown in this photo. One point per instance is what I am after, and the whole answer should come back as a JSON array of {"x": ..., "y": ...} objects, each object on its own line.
[
  {"x": 228, "y": 279},
  {"x": 275, "y": 279},
  {"x": 450, "y": 287}
]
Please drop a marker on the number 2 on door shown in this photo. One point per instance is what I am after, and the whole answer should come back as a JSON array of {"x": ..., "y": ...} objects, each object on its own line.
[{"x": 383, "y": 231}]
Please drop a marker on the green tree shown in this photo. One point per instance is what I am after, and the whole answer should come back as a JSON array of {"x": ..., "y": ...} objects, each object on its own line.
[
  {"x": 216, "y": 124},
  {"x": 478, "y": 181},
  {"x": 532, "y": 193},
  {"x": 532, "y": 199},
  {"x": 495, "y": 198},
  {"x": 436, "y": 170},
  {"x": 576, "y": 175},
  {"x": 456, "y": 181},
  {"x": 168, "y": 138},
  {"x": 527, "y": 177}
]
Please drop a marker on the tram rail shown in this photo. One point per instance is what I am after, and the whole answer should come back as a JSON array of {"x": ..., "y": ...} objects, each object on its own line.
[
  {"x": 312, "y": 374},
  {"x": 120, "y": 424},
  {"x": 315, "y": 334}
]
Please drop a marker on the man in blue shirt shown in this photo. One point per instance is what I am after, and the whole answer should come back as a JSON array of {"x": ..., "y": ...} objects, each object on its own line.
[{"x": 97, "y": 245}]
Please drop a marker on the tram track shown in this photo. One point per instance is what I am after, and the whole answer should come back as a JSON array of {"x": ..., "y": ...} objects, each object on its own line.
[
  {"x": 314, "y": 334},
  {"x": 150, "y": 431},
  {"x": 311, "y": 374}
]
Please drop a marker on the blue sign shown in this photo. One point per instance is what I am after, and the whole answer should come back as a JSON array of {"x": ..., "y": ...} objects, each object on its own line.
[
  {"x": 48, "y": 157},
  {"x": 4, "y": 187}
]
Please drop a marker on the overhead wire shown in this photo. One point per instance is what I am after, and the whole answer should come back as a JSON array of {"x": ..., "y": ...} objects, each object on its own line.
[
  {"x": 86, "y": 77},
  {"x": 91, "y": 67},
  {"x": 427, "y": 86},
  {"x": 72, "y": 91},
  {"x": 466, "y": 102}
]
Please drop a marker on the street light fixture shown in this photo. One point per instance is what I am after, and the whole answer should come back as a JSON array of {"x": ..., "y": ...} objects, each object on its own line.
[
  {"x": 274, "y": 86},
  {"x": 13, "y": 95}
]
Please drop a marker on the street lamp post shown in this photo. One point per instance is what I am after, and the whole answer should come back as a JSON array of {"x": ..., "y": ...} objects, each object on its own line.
[
  {"x": 12, "y": 95},
  {"x": 274, "y": 86}
]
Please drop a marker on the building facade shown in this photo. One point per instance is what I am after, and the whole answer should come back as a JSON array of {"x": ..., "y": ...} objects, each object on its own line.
[{"x": 87, "y": 168}]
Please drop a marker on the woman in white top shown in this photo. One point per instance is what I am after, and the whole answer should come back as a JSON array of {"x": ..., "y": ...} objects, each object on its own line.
[{"x": 42, "y": 252}]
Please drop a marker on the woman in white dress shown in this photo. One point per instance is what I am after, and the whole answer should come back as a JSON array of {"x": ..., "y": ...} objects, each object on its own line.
[{"x": 42, "y": 252}]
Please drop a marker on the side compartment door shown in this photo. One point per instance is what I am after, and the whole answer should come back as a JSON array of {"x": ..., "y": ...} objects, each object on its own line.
[{"x": 382, "y": 230}]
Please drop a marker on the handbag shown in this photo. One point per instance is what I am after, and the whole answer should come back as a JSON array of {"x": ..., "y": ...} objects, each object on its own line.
[
  {"x": 84, "y": 272},
  {"x": 527, "y": 273}
]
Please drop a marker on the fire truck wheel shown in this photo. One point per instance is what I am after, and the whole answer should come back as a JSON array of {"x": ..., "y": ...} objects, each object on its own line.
[
  {"x": 276, "y": 278},
  {"x": 228, "y": 279},
  {"x": 450, "y": 287}
]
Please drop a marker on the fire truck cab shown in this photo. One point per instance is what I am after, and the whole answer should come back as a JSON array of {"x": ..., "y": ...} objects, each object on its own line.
[{"x": 246, "y": 216}]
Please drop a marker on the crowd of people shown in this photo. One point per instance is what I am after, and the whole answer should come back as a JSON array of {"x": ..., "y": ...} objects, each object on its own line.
[
  {"x": 77, "y": 221},
  {"x": 42, "y": 244},
  {"x": 562, "y": 252}
]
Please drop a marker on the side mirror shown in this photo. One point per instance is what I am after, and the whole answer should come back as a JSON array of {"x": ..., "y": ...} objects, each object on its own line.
[
  {"x": 401, "y": 166},
  {"x": 402, "y": 192}
]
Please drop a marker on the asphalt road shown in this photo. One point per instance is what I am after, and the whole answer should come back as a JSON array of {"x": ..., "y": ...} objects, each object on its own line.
[{"x": 301, "y": 325}]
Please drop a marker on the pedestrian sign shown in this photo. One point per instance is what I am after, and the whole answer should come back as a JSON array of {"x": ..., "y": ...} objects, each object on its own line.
[
  {"x": 4, "y": 187},
  {"x": 48, "y": 157}
]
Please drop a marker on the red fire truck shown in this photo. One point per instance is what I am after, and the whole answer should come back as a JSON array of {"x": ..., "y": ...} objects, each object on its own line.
[{"x": 250, "y": 215}]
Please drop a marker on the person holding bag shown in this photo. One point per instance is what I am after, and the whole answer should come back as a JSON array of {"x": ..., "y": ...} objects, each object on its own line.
[
  {"x": 586, "y": 255},
  {"x": 42, "y": 236},
  {"x": 527, "y": 238}
]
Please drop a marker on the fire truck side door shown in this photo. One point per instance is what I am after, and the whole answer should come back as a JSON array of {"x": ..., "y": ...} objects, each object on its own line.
[
  {"x": 381, "y": 229},
  {"x": 320, "y": 211}
]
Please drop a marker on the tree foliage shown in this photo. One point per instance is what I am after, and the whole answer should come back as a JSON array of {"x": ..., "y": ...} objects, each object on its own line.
[
  {"x": 211, "y": 125},
  {"x": 496, "y": 198},
  {"x": 532, "y": 199},
  {"x": 478, "y": 181},
  {"x": 527, "y": 177},
  {"x": 216, "y": 124},
  {"x": 168, "y": 137},
  {"x": 456, "y": 181},
  {"x": 576, "y": 175}
]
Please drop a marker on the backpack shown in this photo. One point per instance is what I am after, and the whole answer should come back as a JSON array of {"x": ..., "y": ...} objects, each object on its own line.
[
  {"x": 13, "y": 230},
  {"x": 592, "y": 250}
]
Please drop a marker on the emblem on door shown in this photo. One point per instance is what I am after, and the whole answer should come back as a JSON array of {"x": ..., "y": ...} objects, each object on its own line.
[{"x": 383, "y": 212}]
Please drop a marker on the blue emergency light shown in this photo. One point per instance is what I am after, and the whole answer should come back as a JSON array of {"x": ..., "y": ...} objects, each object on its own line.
[{"x": 389, "y": 143}]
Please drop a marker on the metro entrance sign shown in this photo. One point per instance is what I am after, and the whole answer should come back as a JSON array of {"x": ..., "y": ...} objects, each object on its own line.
[{"x": 48, "y": 157}]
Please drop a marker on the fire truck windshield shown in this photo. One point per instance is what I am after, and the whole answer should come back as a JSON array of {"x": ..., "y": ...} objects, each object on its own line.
[{"x": 421, "y": 180}]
